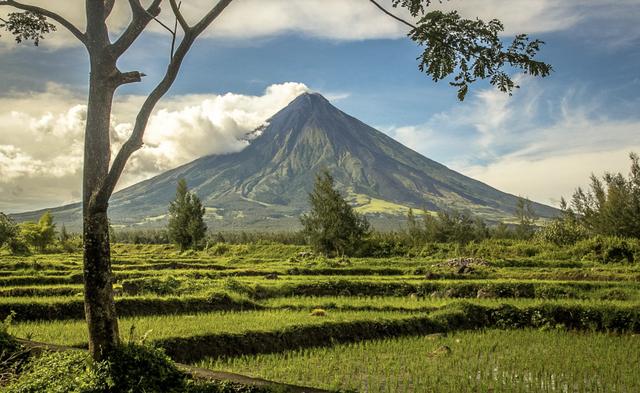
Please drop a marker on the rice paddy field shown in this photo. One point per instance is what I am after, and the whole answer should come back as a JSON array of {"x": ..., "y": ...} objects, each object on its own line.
[{"x": 523, "y": 323}]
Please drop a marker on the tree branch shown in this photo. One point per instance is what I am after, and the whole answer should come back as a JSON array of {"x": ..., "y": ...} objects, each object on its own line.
[
  {"x": 392, "y": 15},
  {"x": 108, "y": 7},
  {"x": 49, "y": 14},
  {"x": 140, "y": 19},
  {"x": 135, "y": 142},
  {"x": 179, "y": 17},
  {"x": 210, "y": 17}
]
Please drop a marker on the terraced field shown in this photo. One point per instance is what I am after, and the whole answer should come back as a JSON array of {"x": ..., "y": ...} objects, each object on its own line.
[{"x": 373, "y": 325}]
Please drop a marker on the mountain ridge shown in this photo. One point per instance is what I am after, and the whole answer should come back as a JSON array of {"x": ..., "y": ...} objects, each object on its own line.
[{"x": 266, "y": 184}]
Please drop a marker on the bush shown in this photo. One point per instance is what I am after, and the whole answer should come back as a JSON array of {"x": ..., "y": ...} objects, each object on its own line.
[
  {"x": 219, "y": 249},
  {"x": 158, "y": 286},
  {"x": 19, "y": 247},
  {"x": 609, "y": 249},
  {"x": 62, "y": 372},
  {"x": 562, "y": 232},
  {"x": 132, "y": 368},
  {"x": 142, "y": 368},
  {"x": 12, "y": 354}
]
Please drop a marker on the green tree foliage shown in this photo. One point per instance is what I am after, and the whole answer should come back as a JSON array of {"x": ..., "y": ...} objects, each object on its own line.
[
  {"x": 186, "y": 218},
  {"x": 469, "y": 48},
  {"x": 612, "y": 206},
  {"x": 527, "y": 217},
  {"x": 453, "y": 226},
  {"x": 332, "y": 226},
  {"x": 8, "y": 229},
  {"x": 39, "y": 234},
  {"x": 564, "y": 230}
]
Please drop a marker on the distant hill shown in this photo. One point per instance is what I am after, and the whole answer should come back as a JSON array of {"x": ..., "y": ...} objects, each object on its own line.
[{"x": 265, "y": 186}]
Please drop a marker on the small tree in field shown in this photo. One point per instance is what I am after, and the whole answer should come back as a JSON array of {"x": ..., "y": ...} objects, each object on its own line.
[
  {"x": 526, "y": 217},
  {"x": 470, "y": 49},
  {"x": 39, "y": 234},
  {"x": 332, "y": 226},
  {"x": 186, "y": 218},
  {"x": 8, "y": 229}
]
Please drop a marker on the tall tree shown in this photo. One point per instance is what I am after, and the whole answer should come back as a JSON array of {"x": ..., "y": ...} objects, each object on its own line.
[
  {"x": 179, "y": 217},
  {"x": 186, "y": 218},
  {"x": 470, "y": 49},
  {"x": 527, "y": 217},
  {"x": 197, "y": 228},
  {"x": 8, "y": 229},
  {"x": 612, "y": 205},
  {"x": 332, "y": 226}
]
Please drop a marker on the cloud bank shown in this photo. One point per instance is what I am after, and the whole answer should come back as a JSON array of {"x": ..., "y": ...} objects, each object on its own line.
[
  {"x": 41, "y": 138},
  {"x": 527, "y": 144},
  {"x": 354, "y": 19}
]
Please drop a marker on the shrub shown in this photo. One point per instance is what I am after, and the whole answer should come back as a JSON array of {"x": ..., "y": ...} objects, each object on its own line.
[
  {"x": 142, "y": 368},
  {"x": 12, "y": 354},
  {"x": 19, "y": 247},
  {"x": 39, "y": 234},
  {"x": 219, "y": 249},
  {"x": 62, "y": 372},
  {"x": 608, "y": 249},
  {"x": 133, "y": 368},
  {"x": 158, "y": 286},
  {"x": 562, "y": 232}
]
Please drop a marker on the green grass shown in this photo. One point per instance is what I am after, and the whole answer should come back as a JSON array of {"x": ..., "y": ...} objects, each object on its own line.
[
  {"x": 394, "y": 303},
  {"x": 489, "y": 361},
  {"x": 542, "y": 286},
  {"x": 160, "y": 327}
]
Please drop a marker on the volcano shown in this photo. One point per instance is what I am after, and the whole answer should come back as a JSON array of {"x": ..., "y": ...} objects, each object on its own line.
[{"x": 266, "y": 185}]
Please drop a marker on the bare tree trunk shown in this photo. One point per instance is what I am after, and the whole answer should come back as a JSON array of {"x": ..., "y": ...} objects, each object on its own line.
[
  {"x": 100, "y": 309},
  {"x": 99, "y": 306}
]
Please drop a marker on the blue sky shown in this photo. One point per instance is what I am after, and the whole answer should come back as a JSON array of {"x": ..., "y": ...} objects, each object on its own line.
[{"x": 542, "y": 142}]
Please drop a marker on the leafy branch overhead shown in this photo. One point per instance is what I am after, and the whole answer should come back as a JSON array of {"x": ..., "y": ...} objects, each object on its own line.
[
  {"x": 469, "y": 50},
  {"x": 473, "y": 50},
  {"x": 27, "y": 26}
]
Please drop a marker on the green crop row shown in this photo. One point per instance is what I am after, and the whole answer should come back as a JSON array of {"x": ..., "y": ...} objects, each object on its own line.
[
  {"x": 463, "y": 362},
  {"x": 73, "y": 308},
  {"x": 190, "y": 338}
]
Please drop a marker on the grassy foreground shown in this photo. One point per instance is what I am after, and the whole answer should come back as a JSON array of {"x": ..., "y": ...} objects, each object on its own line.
[
  {"x": 487, "y": 361},
  {"x": 569, "y": 323}
]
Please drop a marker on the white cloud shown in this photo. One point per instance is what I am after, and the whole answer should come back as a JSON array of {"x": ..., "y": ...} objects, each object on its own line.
[
  {"x": 546, "y": 179},
  {"x": 41, "y": 137},
  {"x": 529, "y": 144},
  {"x": 359, "y": 19}
]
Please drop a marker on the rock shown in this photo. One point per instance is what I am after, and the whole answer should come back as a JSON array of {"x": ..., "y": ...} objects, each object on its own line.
[
  {"x": 272, "y": 276},
  {"x": 463, "y": 262},
  {"x": 442, "y": 350},
  {"x": 485, "y": 294},
  {"x": 318, "y": 312}
]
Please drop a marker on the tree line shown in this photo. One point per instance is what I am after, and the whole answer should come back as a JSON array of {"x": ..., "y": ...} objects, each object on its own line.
[{"x": 609, "y": 207}]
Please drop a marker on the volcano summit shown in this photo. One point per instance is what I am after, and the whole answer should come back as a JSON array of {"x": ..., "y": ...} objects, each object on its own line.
[{"x": 265, "y": 186}]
